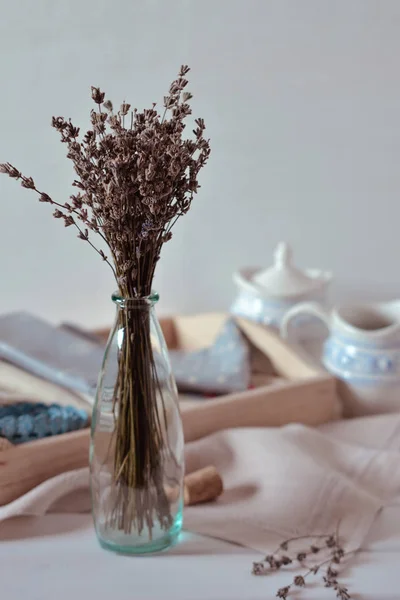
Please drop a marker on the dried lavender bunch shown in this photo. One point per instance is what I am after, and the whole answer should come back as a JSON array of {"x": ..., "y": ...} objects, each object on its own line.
[
  {"x": 136, "y": 174},
  {"x": 328, "y": 547}
]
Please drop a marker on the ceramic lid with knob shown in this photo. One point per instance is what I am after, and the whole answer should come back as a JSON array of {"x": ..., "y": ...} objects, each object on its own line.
[{"x": 283, "y": 279}]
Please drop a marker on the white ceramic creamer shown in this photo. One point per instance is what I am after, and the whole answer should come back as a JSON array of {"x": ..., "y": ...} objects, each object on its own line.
[{"x": 362, "y": 350}]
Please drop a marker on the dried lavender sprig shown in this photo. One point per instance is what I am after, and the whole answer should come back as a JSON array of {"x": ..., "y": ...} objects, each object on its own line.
[
  {"x": 329, "y": 579},
  {"x": 284, "y": 545},
  {"x": 28, "y": 183}
]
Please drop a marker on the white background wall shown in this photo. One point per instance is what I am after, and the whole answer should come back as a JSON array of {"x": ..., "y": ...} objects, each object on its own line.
[{"x": 302, "y": 103}]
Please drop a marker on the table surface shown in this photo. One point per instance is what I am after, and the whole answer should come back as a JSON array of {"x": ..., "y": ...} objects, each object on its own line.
[{"x": 57, "y": 556}]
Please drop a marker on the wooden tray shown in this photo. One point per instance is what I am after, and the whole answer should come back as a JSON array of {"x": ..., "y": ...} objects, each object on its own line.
[
  {"x": 292, "y": 389},
  {"x": 295, "y": 389}
]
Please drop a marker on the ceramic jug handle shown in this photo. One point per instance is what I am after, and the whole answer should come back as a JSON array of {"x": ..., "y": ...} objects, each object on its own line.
[{"x": 304, "y": 308}]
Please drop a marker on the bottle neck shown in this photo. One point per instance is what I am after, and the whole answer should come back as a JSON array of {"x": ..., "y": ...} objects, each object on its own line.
[{"x": 145, "y": 303}]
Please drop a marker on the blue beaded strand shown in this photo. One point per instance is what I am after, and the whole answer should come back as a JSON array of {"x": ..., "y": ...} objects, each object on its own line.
[{"x": 28, "y": 421}]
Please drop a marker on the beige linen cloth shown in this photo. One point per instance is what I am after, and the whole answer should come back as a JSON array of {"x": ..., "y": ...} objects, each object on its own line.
[{"x": 278, "y": 482}]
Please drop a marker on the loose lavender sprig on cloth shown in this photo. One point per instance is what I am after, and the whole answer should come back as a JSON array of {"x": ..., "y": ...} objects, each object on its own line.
[
  {"x": 136, "y": 175},
  {"x": 330, "y": 553}
]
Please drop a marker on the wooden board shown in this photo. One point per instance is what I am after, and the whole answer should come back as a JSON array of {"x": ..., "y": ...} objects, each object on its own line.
[
  {"x": 308, "y": 402},
  {"x": 25, "y": 466}
]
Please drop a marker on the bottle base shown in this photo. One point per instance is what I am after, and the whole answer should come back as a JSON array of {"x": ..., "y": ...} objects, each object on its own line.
[{"x": 163, "y": 543}]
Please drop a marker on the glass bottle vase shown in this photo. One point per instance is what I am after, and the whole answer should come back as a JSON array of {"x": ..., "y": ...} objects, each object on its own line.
[{"x": 136, "y": 453}]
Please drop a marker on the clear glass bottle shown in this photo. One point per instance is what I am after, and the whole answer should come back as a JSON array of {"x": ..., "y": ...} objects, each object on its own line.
[{"x": 136, "y": 454}]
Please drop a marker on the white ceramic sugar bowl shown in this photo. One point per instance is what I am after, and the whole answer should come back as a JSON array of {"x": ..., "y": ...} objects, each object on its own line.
[{"x": 266, "y": 295}]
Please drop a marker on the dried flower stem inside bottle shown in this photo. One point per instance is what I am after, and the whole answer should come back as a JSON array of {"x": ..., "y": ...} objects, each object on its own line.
[{"x": 139, "y": 440}]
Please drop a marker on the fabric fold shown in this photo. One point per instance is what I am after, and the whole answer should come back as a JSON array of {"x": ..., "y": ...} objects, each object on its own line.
[{"x": 278, "y": 483}]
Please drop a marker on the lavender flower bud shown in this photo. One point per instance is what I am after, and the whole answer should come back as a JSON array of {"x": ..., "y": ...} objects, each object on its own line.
[
  {"x": 83, "y": 235},
  {"x": 59, "y": 123},
  {"x": 258, "y": 568},
  {"x": 184, "y": 70},
  {"x": 97, "y": 95},
  {"x": 299, "y": 581},
  {"x": 10, "y": 171},
  {"x": 68, "y": 220},
  {"x": 124, "y": 109},
  {"x": 166, "y": 237},
  {"x": 301, "y": 556}
]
